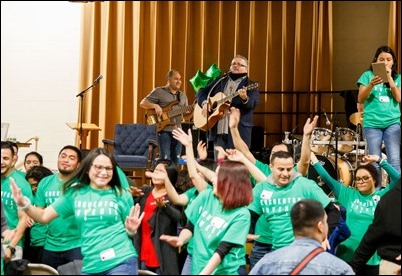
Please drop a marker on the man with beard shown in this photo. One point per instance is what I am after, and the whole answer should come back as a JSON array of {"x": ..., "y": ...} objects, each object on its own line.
[{"x": 63, "y": 238}]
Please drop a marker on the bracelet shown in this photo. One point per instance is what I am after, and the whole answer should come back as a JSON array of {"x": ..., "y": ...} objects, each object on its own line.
[
  {"x": 379, "y": 160},
  {"x": 26, "y": 206}
]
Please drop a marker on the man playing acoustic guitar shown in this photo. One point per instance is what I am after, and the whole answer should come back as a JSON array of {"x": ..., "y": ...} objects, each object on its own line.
[
  {"x": 213, "y": 102},
  {"x": 167, "y": 106}
]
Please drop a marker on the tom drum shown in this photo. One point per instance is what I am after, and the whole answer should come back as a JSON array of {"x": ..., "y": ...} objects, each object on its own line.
[
  {"x": 321, "y": 135},
  {"x": 344, "y": 175},
  {"x": 346, "y": 135}
]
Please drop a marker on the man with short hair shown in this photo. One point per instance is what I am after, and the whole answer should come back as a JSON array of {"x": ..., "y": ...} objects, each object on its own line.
[
  {"x": 310, "y": 228},
  {"x": 63, "y": 241},
  {"x": 16, "y": 219},
  {"x": 161, "y": 99}
]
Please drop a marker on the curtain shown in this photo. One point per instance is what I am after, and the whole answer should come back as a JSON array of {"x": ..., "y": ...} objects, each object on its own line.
[{"x": 133, "y": 44}]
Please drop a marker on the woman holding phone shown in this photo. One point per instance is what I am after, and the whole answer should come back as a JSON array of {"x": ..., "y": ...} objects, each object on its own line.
[{"x": 382, "y": 114}]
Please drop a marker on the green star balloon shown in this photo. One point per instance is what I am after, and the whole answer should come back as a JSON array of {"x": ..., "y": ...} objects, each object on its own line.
[
  {"x": 200, "y": 80},
  {"x": 213, "y": 72}
]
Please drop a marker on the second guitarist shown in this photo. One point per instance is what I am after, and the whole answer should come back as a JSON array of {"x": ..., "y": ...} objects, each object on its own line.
[
  {"x": 158, "y": 99},
  {"x": 246, "y": 102}
]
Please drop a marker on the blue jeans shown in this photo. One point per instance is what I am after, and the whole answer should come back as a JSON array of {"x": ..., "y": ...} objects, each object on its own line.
[
  {"x": 55, "y": 259},
  {"x": 258, "y": 251},
  {"x": 128, "y": 267},
  {"x": 157, "y": 270},
  {"x": 187, "y": 266},
  {"x": 392, "y": 140},
  {"x": 169, "y": 148}
]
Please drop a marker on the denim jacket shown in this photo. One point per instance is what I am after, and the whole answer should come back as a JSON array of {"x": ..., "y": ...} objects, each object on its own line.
[{"x": 282, "y": 261}]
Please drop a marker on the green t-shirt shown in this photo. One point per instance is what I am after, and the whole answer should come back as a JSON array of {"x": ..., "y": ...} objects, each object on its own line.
[
  {"x": 100, "y": 216},
  {"x": 192, "y": 194},
  {"x": 261, "y": 226},
  {"x": 9, "y": 206},
  {"x": 38, "y": 233},
  {"x": 360, "y": 210},
  {"x": 63, "y": 233},
  {"x": 274, "y": 203},
  {"x": 213, "y": 225},
  {"x": 380, "y": 107}
]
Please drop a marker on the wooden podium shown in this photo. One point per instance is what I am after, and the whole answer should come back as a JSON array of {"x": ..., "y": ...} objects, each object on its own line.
[{"x": 86, "y": 128}]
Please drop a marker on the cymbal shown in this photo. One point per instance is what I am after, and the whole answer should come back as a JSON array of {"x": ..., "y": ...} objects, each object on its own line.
[{"x": 356, "y": 118}]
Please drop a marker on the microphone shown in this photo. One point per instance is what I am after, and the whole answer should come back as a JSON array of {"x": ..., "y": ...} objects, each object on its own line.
[
  {"x": 327, "y": 121},
  {"x": 226, "y": 73},
  {"x": 98, "y": 79}
]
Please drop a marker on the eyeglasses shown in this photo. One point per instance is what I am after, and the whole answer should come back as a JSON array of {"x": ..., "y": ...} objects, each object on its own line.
[
  {"x": 363, "y": 179},
  {"x": 237, "y": 64},
  {"x": 100, "y": 168}
]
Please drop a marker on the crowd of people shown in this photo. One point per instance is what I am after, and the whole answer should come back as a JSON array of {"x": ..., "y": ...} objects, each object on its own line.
[{"x": 87, "y": 211}]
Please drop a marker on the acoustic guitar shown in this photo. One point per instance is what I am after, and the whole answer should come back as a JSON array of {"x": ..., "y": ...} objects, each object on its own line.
[
  {"x": 168, "y": 113},
  {"x": 218, "y": 105}
]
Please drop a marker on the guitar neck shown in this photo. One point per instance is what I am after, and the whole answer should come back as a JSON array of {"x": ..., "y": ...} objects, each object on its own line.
[
  {"x": 179, "y": 111},
  {"x": 228, "y": 98}
]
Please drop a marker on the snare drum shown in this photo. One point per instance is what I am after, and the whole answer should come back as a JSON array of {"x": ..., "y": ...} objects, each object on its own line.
[
  {"x": 345, "y": 171},
  {"x": 346, "y": 135},
  {"x": 320, "y": 134}
]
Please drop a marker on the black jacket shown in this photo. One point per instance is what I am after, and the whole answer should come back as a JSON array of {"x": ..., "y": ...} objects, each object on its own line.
[
  {"x": 384, "y": 234},
  {"x": 163, "y": 221}
]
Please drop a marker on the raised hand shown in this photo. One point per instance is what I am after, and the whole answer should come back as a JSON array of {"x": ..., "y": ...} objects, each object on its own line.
[
  {"x": 133, "y": 220},
  {"x": 182, "y": 137},
  {"x": 17, "y": 195},
  {"x": 136, "y": 191},
  {"x": 310, "y": 125},
  {"x": 371, "y": 158},
  {"x": 160, "y": 202},
  {"x": 202, "y": 150},
  {"x": 235, "y": 155},
  {"x": 221, "y": 152},
  {"x": 234, "y": 117}
]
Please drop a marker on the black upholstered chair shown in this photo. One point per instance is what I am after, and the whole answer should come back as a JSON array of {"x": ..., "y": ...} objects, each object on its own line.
[{"x": 134, "y": 147}]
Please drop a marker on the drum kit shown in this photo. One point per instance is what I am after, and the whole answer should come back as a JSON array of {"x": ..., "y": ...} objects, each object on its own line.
[{"x": 340, "y": 151}]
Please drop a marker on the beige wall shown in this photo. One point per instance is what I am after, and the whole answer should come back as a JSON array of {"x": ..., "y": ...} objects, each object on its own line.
[{"x": 359, "y": 29}]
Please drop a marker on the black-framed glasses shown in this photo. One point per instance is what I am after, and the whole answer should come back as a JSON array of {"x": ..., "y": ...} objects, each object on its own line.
[
  {"x": 363, "y": 179},
  {"x": 100, "y": 168},
  {"x": 237, "y": 64}
]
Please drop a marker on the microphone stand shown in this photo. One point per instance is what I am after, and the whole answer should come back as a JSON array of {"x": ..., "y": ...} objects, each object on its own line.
[
  {"x": 358, "y": 131},
  {"x": 81, "y": 106},
  {"x": 208, "y": 106},
  {"x": 335, "y": 127}
]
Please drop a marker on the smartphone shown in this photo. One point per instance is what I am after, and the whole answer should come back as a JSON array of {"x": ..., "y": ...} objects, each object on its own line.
[{"x": 380, "y": 70}]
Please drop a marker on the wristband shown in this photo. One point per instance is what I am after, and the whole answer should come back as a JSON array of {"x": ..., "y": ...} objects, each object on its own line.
[
  {"x": 26, "y": 206},
  {"x": 131, "y": 233},
  {"x": 12, "y": 249}
]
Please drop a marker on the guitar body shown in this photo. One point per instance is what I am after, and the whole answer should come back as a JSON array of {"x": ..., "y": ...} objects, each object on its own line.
[
  {"x": 218, "y": 104},
  {"x": 218, "y": 111},
  {"x": 168, "y": 113}
]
